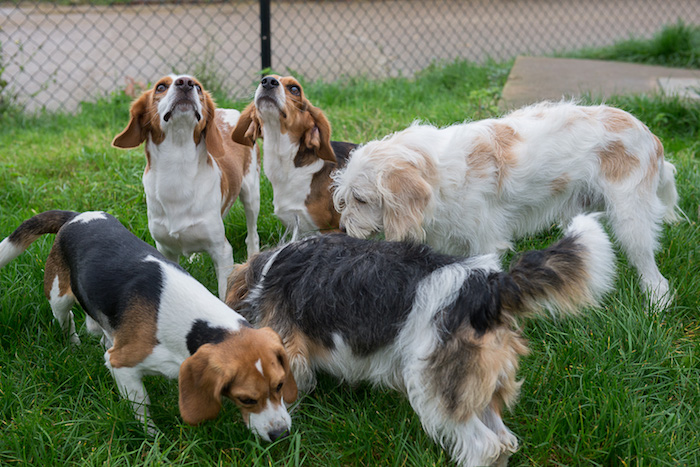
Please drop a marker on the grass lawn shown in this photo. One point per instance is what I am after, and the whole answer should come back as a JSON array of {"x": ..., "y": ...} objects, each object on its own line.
[{"x": 613, "y": 386}]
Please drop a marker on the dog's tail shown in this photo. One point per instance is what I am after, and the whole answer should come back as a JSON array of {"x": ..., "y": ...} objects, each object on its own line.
[
  {"x": 574, "y": 272},
  {"x": 48, "y": 222}
]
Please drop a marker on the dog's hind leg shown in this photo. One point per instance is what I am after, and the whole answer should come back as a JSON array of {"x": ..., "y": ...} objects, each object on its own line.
[
  {"x": 250, "y": 198},
  {"x": 58, "y": 292}
]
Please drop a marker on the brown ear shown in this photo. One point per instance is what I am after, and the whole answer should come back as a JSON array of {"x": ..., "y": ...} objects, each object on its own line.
[
  {"x": 406, "y": 195},
  {"x": 319, "y": 136},
  {"x": 237, "y": 285},
  {"x": 212, "y": 138},
  {"x": 290, "y": 391},
  {"x": 247, "y": 129},
  {"x": 200, "y": 385},
  {"x": 135, "y": 133}
]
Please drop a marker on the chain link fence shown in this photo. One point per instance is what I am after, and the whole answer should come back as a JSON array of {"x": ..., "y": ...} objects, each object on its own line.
[{"x": 55, "y": 56}]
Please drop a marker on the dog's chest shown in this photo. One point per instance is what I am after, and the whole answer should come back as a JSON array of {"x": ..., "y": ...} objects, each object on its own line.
[
  {"x": 291, "y": 185},
  {"x": 181, "y": 186}
]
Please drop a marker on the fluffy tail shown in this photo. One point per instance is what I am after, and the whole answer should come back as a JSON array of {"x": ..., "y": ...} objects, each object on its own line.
[
  {"x": 31, "y": 229},
  {"x": 574, "y": 272}
]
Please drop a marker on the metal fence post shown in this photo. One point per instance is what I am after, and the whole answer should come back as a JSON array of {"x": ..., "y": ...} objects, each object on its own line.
[{"x": 265, "y": 45}]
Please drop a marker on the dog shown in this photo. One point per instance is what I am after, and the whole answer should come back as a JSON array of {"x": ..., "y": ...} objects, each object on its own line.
[
  {"x": 154, "y": 318},
  {"x": 193, "y": 174},
  {"x": 473, "y": 188},
  {"x": 438, "y": 328},
  {"x": 299, "y": 157}
]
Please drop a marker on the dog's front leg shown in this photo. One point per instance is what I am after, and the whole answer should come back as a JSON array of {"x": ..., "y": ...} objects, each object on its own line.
[
  {"x": 131, "y": 387},
  {"x": 222, "y": 255}
]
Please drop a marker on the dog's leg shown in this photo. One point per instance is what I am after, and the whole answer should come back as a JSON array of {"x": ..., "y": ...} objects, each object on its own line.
[
  {"x": 130, "y": 387},
  {"x": 61, "y": 305},
  {"x": 250, "y": 198},
  {"x": 636, "y": 222},
  {"x": 222, "y": 255},
  {"x": 492, "y": 419}
]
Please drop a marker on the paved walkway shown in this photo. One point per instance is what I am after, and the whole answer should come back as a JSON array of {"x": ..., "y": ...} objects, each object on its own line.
[{"x": 534, "y": 79}]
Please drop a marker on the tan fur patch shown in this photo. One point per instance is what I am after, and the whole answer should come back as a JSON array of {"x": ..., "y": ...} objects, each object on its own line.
[
  {"x": 237, "y": 286},
  {"x": 56, "y": 267},
  {"x": 495, "y": 155},
  {"x": 135, "y": 338},
  {"x": 616, "y": 120},
  {"x": 560, "y": 184},
  {"x": 615, "y": 162},
  {"x": 319, "y": 203}
]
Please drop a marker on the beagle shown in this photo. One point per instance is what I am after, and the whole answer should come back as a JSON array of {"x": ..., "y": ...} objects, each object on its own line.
[
  {"x": 299, "y": 157},
  {"x": 154, "y": 318},
  {"x": 193, "y": 175}
]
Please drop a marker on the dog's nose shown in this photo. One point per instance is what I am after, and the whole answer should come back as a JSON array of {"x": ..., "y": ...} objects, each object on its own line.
[
  {"x": 342, "y": 228},
  {"x": 275, "y": 435},
  {"x": 269, "y": 82},
  {"x": 184, "y": 83}
]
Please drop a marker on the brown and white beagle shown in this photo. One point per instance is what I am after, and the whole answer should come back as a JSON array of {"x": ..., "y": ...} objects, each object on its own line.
[
  {"x": 299, "y": 156},
  {"x": 154, "y": 318},
  {"x": 193, "y": 175}
]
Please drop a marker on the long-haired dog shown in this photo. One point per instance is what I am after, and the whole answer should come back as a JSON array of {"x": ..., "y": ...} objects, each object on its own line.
[
  {"x": 154, "y": 318},
  {"x": 439, "y": 328},
  {"x": 194, "y": 172},
  {"x": 473, "y": 188},
  {"x": 299, "y": 154}
]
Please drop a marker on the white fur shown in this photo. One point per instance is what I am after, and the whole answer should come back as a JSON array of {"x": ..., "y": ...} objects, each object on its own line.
[
  {"x": 274, "y": 418},
  {"x": 8, "y": 252},
  {"x": 183, "y": 191},
  {"x": 554, "y": 174},
  {"x": 89, "y": 216}
]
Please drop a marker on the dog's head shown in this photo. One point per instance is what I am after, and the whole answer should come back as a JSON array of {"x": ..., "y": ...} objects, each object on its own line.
[
  {"x": 251, "y": 368},
  {"x": 280, "y": 106},
  {"x": 173, "y": 103},
  {"x": 386, "y": 186}
]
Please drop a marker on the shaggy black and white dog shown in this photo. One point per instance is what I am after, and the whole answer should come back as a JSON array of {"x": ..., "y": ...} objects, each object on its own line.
[{"x": 439, "y": 328}]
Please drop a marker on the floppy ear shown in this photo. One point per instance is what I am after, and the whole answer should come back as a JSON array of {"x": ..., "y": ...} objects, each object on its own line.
[
  {"x": 135, "y": 132},
  {"x": 237, "y": 285},
  {"x": 319, "y": 136},
  {"x": 248, "y": 128},
  {"x": 407, "y": 196},
  {"x": 212, "y": 138},
  {"x": 289, "y": 389},
  {"x": 200, "y": 383}
]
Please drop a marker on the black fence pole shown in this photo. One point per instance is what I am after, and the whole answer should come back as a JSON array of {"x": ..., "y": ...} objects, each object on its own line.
[{"x": 265, "y": 46}]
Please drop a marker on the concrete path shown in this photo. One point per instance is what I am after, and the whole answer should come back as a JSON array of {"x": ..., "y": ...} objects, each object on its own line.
[{"x": 533, "y": 79}]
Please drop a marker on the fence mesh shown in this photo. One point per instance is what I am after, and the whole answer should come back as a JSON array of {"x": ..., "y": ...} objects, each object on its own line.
[{"x": 55, "y": 56}]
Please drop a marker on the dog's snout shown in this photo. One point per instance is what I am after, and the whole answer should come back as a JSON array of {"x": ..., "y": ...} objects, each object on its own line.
[
  {"x": 184, "y": 83},
  {"x": 269, "y": 82},
  {"x": 277, "y": 434}
]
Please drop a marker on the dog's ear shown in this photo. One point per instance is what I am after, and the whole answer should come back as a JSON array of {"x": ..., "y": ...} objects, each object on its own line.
[
  {"x": 212, "y": 137},
  {"x": 200, "y": 382},
  {"x": 135, "y": 132},
  {"x": 290, "y": 392},
  {"x": 237, "y": 285},
  {"x": 248, "y": 128},
  {"x": 406, "y": 197},
  {"x": 319, "y": 136}
]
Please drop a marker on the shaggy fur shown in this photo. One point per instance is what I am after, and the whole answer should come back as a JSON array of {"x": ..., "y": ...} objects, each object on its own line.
[
  {"x": 439, "y": 328},
  {"x": 473, "y": 188}
]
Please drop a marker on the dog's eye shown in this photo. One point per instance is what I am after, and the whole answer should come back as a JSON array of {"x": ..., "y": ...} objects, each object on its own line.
[
  {"x": 358, "y": 199},
  {"x": 294, "y": 90},
  {"x": 279, "y": 387},
  {"x": 161, "y": 87},
  {"x": 246, "y": 401}
]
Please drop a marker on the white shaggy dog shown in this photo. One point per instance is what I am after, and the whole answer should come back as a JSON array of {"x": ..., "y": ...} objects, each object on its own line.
[{"x": 473, "y": 188}]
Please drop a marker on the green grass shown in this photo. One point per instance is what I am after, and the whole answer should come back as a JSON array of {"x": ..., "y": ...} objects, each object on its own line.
[{"x": 611, "y": 387}]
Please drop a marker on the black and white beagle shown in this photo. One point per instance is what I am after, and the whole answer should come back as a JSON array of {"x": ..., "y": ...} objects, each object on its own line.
[{"x": 154, "y": 318}]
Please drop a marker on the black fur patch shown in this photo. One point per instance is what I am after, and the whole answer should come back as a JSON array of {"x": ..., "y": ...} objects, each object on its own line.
[
  {"x": 342, "y": 152},
  {"x": 48, "y": 222},
  {"x": 109, "y": 269},
  {"x": 201, "y": 333},
  {"x": 361, "y": 289}
]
